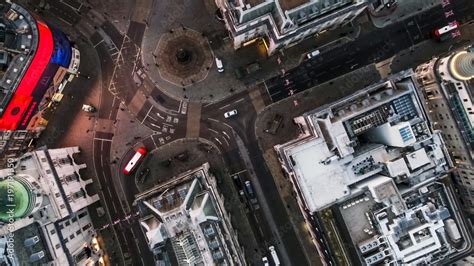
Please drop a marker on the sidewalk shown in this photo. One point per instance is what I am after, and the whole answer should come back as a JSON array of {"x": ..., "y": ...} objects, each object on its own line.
[{"x": 404, "y": 8}]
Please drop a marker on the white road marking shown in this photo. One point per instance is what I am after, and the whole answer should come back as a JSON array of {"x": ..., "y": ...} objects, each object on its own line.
[
  {"x": 264, "y": 83},
  {"x": 152, "y": 139},
  {"x": 225, "y": 106},
  {"x": 160, "y": 116},
  {"x": 239, "y": 100},
  {"x": 225, "y": 133},
  {"x": 218, "y": 140},
  {"x": 239, "y": 172},
  {"x": 152, "y": 118},
  {"x": 214, "y": 120},
  {"x": 227, "y": 142},
  {"x": 100, "y": 139},
  {"x": 168, "y": 125},
  {"x": 155, "y": 125},
  {"x": 101, "y": 41},
  {"x": 215, "y": 131},
  {"x": 149, "y": 110}
]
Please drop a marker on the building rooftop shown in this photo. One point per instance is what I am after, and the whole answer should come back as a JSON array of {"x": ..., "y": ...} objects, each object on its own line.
[
  {"x": 186, "y": 212},
  {"x": 380, "y": 131},
  {"x": 427, "y": 231},
  {"x": 18, "y": 39}
]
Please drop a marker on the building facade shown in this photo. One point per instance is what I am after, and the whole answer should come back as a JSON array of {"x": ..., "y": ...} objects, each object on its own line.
[
  {"x": 185, "y": 222},
  {"x": 283, "y": 23},
  {"x": 36, "y": 62},
  {"x": 43, "y": 214},
  {"x": 367, "y": 168},
  {"x": 447, "y": 85}
]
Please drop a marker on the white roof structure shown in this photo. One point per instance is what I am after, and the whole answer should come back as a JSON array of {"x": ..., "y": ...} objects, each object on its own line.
[
  {"x": 188, "y": 212},
  {"x": 380, "y": 130}
]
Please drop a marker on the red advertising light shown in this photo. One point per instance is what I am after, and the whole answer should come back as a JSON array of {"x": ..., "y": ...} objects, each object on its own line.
[{"x": 22, "y": 98}]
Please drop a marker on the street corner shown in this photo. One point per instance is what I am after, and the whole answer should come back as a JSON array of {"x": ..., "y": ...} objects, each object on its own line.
[
  {"x": 183, "y": 56},
  {"x": 162, "y": 163}
]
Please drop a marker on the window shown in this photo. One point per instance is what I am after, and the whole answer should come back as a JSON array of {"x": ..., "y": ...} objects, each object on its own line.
[
  {"x": 87, "y": 226},
  {"x": 57, "y": 195},
  {"x": 82, "y": 214},
  {"x": 48, "y": 171},
  {"x": 67, "y": 223},
  {"x": 73, "y": 220},
  {"x": 62, "y": 206},
  {"x": 52, "y": 232},
  {"x": 66, "y": 240},
  {"x": 58, "y": 246},
  {"x": 71, "y": 237}
]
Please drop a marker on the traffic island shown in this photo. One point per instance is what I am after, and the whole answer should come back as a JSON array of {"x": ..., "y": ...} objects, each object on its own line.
[{"x": 183, "y": 57}]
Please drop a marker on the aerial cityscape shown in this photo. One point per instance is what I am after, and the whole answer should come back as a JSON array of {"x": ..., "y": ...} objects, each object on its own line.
[{"x": 236, "y": 132}]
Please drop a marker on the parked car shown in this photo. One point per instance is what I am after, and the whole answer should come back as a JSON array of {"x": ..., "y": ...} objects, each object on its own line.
[
  {"x": 312, "y": 54},
  {"x": 220, "y": 65},
  {"x": 265, "y": 261},
  {"x": 230, "y": 113}
]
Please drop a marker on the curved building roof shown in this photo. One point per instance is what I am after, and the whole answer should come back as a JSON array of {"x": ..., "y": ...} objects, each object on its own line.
[
  {"x": 462, "y": 65},
  {"x": 16, "y": 198}
]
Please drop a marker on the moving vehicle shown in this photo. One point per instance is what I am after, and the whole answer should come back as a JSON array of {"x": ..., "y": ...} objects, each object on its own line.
[
  {"x": 312, "y": 54},
  {"x": 445, "y": 33},
  {"x": 219, "y": 65},
  {"x": 265, "y": 261},
  {"x": 275, "y": 258},
  {"x": 88, "y": 108},
  {"x": 136, "y": 159},
  {"x": 230, "y": 113}
]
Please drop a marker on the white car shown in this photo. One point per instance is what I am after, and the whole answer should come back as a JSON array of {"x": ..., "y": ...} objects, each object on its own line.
[
  {"x": 219, "y": 65},
  {"x": 312, "y": 54},
  {"x": 230, "y": 113},
  {"x": 265, "y": 261}
]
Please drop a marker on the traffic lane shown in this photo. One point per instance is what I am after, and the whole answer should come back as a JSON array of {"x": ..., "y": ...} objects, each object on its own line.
[
  {"x": 135, "y": 32},
  {"x": 128, "y": 181},
  {"x": 288, "y": 236},
  {"x": 216, "y": 132},
  {"x": 236, "y": 99},
  {"x": 259, "y": 226},
  {"x": 107, "y": 65},
  {"x": 63, "y": 12},
  {"x": 118, "y": 213},
  {"x": 115, "y": 35},
  {"x": 107, "y": 195},
  {"x": 372, "y": 47}
]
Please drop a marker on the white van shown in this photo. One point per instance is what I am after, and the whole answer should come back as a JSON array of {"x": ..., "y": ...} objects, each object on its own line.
[{"x": 275, "y": 258}]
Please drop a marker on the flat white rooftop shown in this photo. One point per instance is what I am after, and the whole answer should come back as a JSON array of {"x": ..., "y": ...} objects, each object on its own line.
[
  {"x": 351, "y": 142},
  {"x": 320, "y": 184}
]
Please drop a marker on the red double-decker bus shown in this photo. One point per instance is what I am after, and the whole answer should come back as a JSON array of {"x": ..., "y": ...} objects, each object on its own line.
[
  {"x": 445, "y": 32},
  {"x": 136, "y": 159}
]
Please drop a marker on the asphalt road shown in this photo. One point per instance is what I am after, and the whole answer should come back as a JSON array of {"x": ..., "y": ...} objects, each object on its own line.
[
  {"x": 121, "y": 54},
  {"x": 369, "y": 48}
]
